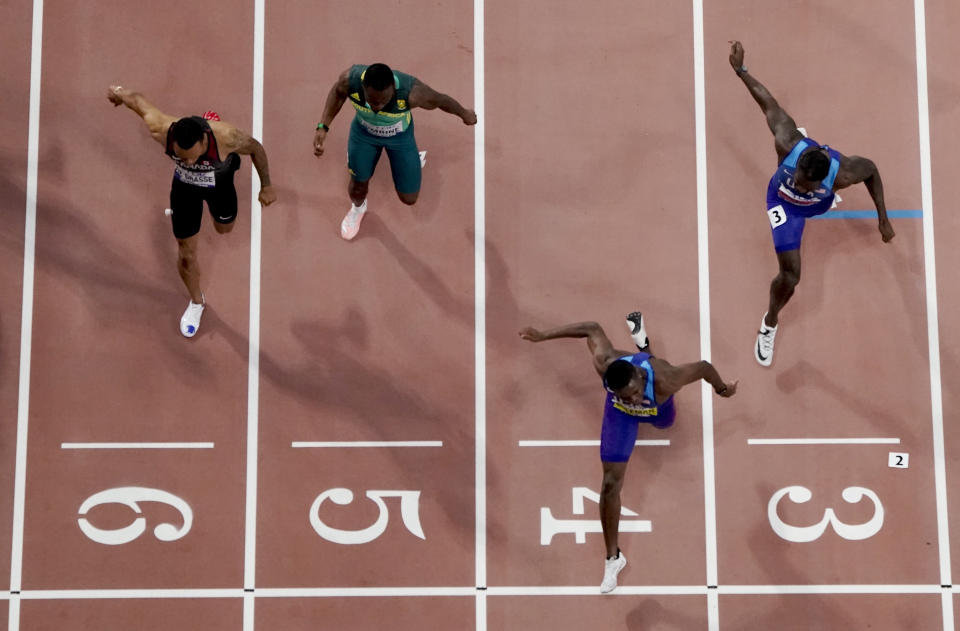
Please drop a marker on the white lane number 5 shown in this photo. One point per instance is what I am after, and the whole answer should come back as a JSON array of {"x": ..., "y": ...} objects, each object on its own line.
[{"x": 409, "y": 514}]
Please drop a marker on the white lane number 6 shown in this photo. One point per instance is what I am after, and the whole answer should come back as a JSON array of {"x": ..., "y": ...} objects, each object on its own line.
[{"x": 129, "y": 496}]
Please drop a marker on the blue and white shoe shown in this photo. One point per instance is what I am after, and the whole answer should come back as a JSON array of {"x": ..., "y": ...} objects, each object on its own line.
[{"x": 190, "y": 321}]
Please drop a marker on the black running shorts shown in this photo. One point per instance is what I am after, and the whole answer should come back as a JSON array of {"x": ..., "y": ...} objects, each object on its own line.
[{"x": 186, "y": 201}]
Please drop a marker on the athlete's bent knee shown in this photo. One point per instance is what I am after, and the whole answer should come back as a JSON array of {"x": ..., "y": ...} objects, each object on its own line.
[
  {"x": 223, "y": 228},
  {"x": 611, "y": 484},
  {"x": 790, "y": 279}
]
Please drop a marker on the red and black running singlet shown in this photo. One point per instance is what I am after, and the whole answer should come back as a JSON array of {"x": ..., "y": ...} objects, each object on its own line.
[{"x": 205, "y": 170}]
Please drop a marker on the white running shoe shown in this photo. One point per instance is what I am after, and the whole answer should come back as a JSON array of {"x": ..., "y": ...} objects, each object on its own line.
[
  {"x": 190, "y": 321},
  {"x": 612, "y": 567},
  {"x": 423, "y": 159},
  {"x": 637, "y": 331},
  {"x": 836, "y": 200},
  {"x": 350, "y": 225},
  {"x": 763, "y": 351}
]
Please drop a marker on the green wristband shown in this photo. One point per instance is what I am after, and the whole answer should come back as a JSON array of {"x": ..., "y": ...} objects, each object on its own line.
[{"x": 323, "y": 127}]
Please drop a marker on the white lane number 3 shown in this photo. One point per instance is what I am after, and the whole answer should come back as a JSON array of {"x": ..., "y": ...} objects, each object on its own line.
[{"x": 804, "y": 534}]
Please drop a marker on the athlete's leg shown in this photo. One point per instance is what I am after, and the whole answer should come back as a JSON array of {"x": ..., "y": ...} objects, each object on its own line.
[
  {"x": 784, "y": 284},
  {"x": 357, "y": 191},
  {"x": 189, "y": 268},
  {"x": 405, "y": 166},
  {"x": 222, "y": 200},
  {"x": 610, "y": 504}
]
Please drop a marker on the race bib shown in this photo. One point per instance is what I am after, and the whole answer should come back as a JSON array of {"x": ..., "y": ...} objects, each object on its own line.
[
  {"x": 383, "y": 131},
  {"x": 205, "y": 179},
  {"x": 777, "y": 215}
]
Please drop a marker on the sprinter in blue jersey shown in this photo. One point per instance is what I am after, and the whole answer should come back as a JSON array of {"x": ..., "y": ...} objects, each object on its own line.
[
  {"x": 805, "y": 184},
  {"x": 640, "y": 389}
]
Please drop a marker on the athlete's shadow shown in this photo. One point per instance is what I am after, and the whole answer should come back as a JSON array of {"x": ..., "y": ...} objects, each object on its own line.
[
  {"x": 803, "y": 374},
  {"x": 341, "y": 378},
  {"x": 423, "y": 275},
  {"x": 651, "y": 614}
]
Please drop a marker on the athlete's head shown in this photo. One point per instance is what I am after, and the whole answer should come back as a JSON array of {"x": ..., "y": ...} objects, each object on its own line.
[
  {"x": 812, "y": 167},
  {"x": 187, "y": 137},
  {"x": 625, "y": 381},
  {"x": 378, "y": 86}
]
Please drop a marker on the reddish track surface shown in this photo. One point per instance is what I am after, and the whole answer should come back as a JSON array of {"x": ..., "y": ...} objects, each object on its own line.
[{"x": 590, "y": 212}]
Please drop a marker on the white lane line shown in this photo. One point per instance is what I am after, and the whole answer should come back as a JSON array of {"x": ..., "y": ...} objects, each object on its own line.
[
  {"x": 361, "y": 592},
  {"x": 586, "y": 443},
  {"x": 300, "y": 444},
  {"x": 703, "y": 260},
  {"x": 468, "y": 591},
  {"x": 946, "y": 601},
  {"x": 594, "y": 590},
  {"x": 136, "y": 445},
  {"x": 823, "y": 441},
  {"x": 253, "y": 369},
  {"x": 480, "y": 303},
  {"x": 713, "y": 610},
  {"x": 13, "y": 613},
  {"x": 759, "y": 590},
  {"x": 108, "y": 594},
  {"x": 930, "y": 278},
  {"x": 26, "y": 315},
  {"x": 249, "y": 611}
]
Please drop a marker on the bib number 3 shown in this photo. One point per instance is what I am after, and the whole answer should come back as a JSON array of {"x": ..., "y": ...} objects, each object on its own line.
[{"x": 777, "y": 215}]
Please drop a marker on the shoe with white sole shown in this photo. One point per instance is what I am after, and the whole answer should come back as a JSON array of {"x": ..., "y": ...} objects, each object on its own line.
[
  {"x": 763, "y": 350},
  {"x": 350, "y": 225},
  {"x": 637, "y": 331},
  {"x": 611, "y": 568},
  {"x": 423, "y": 159},
  {"x": 190, "y": 321}
]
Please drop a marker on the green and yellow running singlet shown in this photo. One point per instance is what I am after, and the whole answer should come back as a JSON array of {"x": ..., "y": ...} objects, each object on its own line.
[{"x": 395, "y": 118}]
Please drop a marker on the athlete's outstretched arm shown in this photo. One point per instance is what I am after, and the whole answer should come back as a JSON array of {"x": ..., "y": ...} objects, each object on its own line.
[
  {"x": 157, "y": 122},
  {"x": 784, "y": 128},
  {"x": 855, "y": 169},
  {"x": 683, "y": 374},
  {"x": 598, "y": 342},
  {"x": 425, "y": 97},
  {"x": 336, "y": 97},
  {"x": 245, "y": 144}
]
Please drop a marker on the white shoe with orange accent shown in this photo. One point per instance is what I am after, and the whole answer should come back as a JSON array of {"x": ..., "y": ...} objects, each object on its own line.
[{"x": 350, "y": 225}]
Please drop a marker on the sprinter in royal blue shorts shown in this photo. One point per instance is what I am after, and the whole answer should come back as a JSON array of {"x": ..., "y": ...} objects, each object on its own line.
[
  {"x": 805, "y": 184},
  {"x": 640, "y": 389}
]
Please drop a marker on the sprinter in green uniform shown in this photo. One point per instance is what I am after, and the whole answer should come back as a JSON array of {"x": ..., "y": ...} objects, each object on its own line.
[{"x": 382, "y": 99}]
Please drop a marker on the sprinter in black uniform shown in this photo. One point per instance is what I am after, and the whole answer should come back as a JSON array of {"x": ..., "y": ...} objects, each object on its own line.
[{"x": 207, "y": 154}]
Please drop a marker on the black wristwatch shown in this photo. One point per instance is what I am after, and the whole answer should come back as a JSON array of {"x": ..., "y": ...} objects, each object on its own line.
[
  {"x": 323, "y": 126},
  {"x": 742, "y": 70}
]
